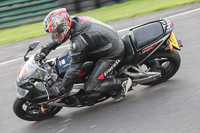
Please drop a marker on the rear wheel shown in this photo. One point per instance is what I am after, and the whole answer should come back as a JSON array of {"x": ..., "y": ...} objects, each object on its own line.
[
  {"x": 166, "y": 62},
  {"x": 32, "y": 111}
]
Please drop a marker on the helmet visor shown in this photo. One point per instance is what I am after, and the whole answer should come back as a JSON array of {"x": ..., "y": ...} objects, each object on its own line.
[{"x": 56, "y": 33}]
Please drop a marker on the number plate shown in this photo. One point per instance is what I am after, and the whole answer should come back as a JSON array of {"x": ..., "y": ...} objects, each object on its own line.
[{"x": 172, "y": 40}]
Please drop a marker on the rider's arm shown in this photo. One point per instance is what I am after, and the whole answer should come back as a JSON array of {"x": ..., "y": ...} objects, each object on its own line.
[
  {"x": 50, "y": 46},
  {"x": 78, "y": 49}
]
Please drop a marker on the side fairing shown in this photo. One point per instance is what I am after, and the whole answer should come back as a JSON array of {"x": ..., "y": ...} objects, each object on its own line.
[{"x": 63, "y": 63}]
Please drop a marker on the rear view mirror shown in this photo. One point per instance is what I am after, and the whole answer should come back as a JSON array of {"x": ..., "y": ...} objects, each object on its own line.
[{"x": 33, "y": 45}]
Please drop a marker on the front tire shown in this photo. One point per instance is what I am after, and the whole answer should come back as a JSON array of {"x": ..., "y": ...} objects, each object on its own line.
[
  {"x": 169, "y": 63},
  {"x": 32, "y": 112}
]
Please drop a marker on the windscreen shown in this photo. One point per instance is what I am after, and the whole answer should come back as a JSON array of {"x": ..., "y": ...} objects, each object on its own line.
[{"x": 31, "y": 70}]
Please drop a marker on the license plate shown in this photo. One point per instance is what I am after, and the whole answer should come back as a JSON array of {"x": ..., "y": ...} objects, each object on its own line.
[{"x": 172, "y": 40}]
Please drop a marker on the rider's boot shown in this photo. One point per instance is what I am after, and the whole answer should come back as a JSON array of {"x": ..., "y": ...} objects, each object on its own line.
[
  {"x": 126, "y": 85},
  {"x": 57, "y": 89}
]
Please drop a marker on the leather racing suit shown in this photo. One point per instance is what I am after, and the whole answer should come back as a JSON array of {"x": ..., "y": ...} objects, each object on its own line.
[{"x": 96, "y": 40}]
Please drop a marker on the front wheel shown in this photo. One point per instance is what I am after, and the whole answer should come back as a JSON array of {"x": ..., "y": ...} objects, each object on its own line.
[
  {"x": 32, "y": 111},
  {"x": 166, "y": 62}
]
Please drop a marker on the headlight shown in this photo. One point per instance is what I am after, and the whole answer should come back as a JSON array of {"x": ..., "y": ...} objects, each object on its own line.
[{"x": 21, "y": 92}]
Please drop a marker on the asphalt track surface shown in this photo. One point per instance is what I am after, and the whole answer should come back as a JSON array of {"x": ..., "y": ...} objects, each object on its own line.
[{"x": 170, "y": 107}]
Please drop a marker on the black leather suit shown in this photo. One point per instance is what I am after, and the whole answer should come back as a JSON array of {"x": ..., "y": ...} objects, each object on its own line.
[{"x": 96, "y": 40}]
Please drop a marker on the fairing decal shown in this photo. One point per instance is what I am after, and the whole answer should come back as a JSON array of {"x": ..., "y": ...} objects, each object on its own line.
[{"x": 160, "y": 43}]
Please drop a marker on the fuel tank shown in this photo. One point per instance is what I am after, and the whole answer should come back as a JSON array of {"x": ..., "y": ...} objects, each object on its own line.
[{"x": 63, "y": 64}]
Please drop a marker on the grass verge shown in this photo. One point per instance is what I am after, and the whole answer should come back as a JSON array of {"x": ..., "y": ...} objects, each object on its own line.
[{"x": 105, "y": 14}]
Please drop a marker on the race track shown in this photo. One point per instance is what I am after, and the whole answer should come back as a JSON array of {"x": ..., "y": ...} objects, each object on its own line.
[{"x": 170, "y": 107}]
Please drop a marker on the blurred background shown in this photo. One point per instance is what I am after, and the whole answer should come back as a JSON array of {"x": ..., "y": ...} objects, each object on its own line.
[
  {"x": 19, "y": 12},
  {"x": 22, "y": 19},
  {"x": 170, "y": 107}
]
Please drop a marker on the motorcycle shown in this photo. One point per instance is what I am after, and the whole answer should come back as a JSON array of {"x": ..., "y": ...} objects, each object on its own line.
[{"x": 151, "y": 57}]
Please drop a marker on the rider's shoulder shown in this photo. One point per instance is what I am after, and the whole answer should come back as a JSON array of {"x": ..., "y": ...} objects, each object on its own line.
[
  {"x": 82, "y": 24},
  {"x": 77, "y": 43}
]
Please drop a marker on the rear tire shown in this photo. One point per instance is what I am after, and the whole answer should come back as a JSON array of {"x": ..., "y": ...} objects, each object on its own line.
[
  {"x": 170, "y": 69},
  {"x": 28, "y": 114}
]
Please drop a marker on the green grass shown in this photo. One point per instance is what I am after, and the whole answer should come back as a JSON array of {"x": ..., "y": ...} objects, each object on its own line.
[
  {"x": 133, "y": 8},
  {"x": 21, "y": 33},
  {"x": 105, "y": 14}
]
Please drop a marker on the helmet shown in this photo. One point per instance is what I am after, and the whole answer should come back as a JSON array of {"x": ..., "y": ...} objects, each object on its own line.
[{"x": 57, "y": 24}]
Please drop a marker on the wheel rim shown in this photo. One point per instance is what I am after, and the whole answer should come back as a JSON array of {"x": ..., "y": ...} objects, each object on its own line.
[
  {"x": 34, "y": 110},
  {"x": 163, "y": 65}
]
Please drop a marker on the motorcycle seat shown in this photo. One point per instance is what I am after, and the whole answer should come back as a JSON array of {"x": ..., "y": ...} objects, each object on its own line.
[{"x": 146, "y": 34}]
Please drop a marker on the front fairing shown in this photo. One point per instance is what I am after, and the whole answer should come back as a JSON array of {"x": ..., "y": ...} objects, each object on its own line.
[{"x": 29, "y": 72}]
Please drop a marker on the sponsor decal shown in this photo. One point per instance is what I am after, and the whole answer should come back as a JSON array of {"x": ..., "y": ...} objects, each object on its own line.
[
  {"x": 109, "y": 70},
  {"x": 112, "y": 67},
  {"x": 146, "y": 50},
  {"x": 60, "y": 63}
]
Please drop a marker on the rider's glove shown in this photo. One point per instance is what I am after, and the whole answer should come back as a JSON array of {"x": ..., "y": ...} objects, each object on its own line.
[{"x": 39, "y": 56}]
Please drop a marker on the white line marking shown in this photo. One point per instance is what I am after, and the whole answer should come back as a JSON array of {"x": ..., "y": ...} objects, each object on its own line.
[
  {"x": 93, "y": 126},
  {"x": 66, "y": 120},
  {"x": 183, "y": 13},
  {"x": 176, "y": 15},
  {"x": 63, "y": 46},
  {"x": 2, "y": 63},
  {"x": 61, "y": 130},
  {"x": 49, "y": 127},
  {"x": 6, "y": 62}
]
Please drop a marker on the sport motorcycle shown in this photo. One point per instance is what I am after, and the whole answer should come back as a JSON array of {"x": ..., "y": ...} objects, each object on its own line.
[{"x": 151, "y": 57}]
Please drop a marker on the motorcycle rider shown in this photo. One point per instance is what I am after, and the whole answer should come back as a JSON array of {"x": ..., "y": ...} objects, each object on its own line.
[{"x": 89, "y": 38}]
